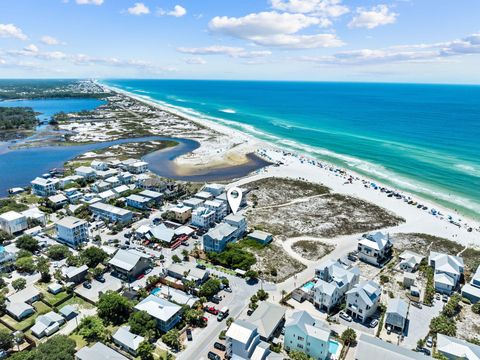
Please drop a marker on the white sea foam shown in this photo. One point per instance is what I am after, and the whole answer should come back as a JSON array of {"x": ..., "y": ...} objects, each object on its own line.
[{"x": 228, "y": 111}]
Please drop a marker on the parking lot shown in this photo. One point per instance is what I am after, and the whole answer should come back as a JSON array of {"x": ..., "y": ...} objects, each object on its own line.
[{"x": 111, "y": 283}]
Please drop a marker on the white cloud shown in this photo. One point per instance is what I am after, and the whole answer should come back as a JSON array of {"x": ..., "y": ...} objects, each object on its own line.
[
  {"x": 89, "y": 2},
  {"x": 469, "y": 45},
  {"x": 195, "y": 61},
  {"x": 31, "y": 48},
  {"x": 275, "y": 29},
  {"x": 10, "y": 30},
  {"x": 236, "y": 52},
  {"x": 50, "y": 40},
  {"x": 322, "y": 8},
  {"x": 376, "y": 16},
  {"x": 178, "y": 11},
  {"x": 139, "y": 9}
]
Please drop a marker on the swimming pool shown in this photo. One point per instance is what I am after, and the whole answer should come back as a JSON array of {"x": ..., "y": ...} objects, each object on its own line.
[
  {"x": 155, "y": 291},
  {"x": 309, "y": 285},
  {"x": 333, "y": 347}
]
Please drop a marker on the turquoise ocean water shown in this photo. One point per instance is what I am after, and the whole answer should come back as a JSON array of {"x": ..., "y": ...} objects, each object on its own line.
[{"x": 424, "y": 139}]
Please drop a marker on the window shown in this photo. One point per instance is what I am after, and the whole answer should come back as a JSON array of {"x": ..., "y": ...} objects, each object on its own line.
[
  {"x": 301, "y": 338},
  {"x": 300, "y": 346}
]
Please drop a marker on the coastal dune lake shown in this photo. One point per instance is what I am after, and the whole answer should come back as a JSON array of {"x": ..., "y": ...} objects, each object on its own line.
[{"x": 420, "y": 138}]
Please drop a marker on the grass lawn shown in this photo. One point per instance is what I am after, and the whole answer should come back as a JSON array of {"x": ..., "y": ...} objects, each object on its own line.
[
  {"x": 219, "y": 268},
  {"x": 20, "y": 325},
  {"x": 75, "y": 300},
  {"x": 160, "y": 354},
  {"x": 54, "y": 299},
  {"x": 78, "y": 340},
  {"x": 41, "y": 307},
  {"x": 4, "y": 328}
]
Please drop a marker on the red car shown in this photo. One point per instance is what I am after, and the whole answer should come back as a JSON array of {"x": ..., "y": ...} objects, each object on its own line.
[
  {"x": 204, "y": 319},
  {"x": 141, "y": 276},
  {"x": 211, "y": 310}
]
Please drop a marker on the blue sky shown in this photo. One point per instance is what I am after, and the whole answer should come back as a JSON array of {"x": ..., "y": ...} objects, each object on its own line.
[{"x": 363, "y": 40}]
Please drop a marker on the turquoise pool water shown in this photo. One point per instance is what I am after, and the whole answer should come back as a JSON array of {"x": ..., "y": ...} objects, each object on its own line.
[
  {"x": 309, "y": 285},
  {"x": 333, "y": 347},
  {"x": 155, "y": 291}
]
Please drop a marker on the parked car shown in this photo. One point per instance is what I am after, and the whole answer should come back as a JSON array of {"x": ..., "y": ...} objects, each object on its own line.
[
  {"x": 223, "y": 313},
  {"x": 87, "y": 285},
  {"x": 148, "y": 271},
  {"x": 437, "y": 296},
  {"x": 389, "y": 329},
  {"x": 100, "y": 279},
  {"x": 211, "y": 310},
  {"x": 213, "y": 356},
  {"x": 417, "y": 304},
  {"x": 189, "y": 335},
  {"x": 345, "y": 316},
  {"x": 205, "y": 319},
  {"x": 141, "y": 276},
  {"x": 445, "y": 298},
  {"x": 216, "y": 299},
  {"x": 374, "y": 323},
  {"x": 249, "y": 312},
  {"x": 227, "y": 289},
  {"x": 201, "y": 266},
  {"x": 429, "y": 342},
  {"x": 426, "y": 351},
  {"x": 219, "y": 346}
]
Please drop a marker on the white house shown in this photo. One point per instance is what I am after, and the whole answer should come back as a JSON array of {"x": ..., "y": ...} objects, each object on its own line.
[
  {"x": 363, "y": 300},
  {"x": 242, "y": 339},
  {"x": 239, "y": 221},
  {"x": 44, "y": 187},
  {"x": 372, "y": 348},
  {"x": 166, "y": 313},
  {"x": 308, "y": 335},
  {"x": 455, "y": 349},
  {"x": 471, "y": 290},
  {"x": 72, "y": 231},
  {"x": 203, "y": 217},
  {"x": 99, "y": 165},
  {"x": 111, "y": 213},
  {"x": 139, "y": 202},
  {"x": 448, "y": 271},
  {"x": 214, "y": 189},
  {"x": 98, "y": 351},
  {"x": 219, "y": 207},
  {"x": 410, "y": 261},
  {"x": 86, "y": 172},
  {"x": 36, "y": 214},
  {"x": 375, "y": 248},
  {"x": 12, "y": 222},
  {"x": 193, "y": 202},
  {"x": 334, "y": 280},
  {"x": 127, "y": 340},
  {"x": 268, "y": 318},
  {"x": 46, "y": 325}
]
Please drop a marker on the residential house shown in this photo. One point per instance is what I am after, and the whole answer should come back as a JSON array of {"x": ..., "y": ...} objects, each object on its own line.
[
  {"x": 182, "y": 213},
  {"x": 165, "y": 313},
  {"x": 372, "y": 348},
  {"x": 128, "y": 264},
  {"x": 68, "y": 312},
  {"x": 122, "y": 189},
  {"x": 19, "y": 304},
  {"x": 375, "y": 248},
  {"x": 72, "y": 231},
  {"x": 46, "y": 325},
  {"x": 67, "y": 180},
  {"x": 127, "y": 340},
  {"x": 99, "y": 165},
  {"x": 261, "y": 237},
  {"x": 242, "y": 338},
  {"x": 155, "y": 196},
  {"x": 101, "y": 186},
  {"x": 107, "y": 195},
  {"x": 471, "y": 291},
  {"x": 58, "y": 200},
  {"x": 135, "y": 166},
  {"x": 308, "y": 335},
  {"x": 12, "y": 222},
  {"x": 448, "y": 271},
  {"x": 454, "y": 349},
  {"x": 108, "y": 174},
  {"x": 139, "y": 202},
  {"x": 203, "y": 217},
  {"x": 410, "y": 261},
  {"x": 75, "y": 274},
  {"x": 334, "y": 280},
  {"x": 193, "y": 203},
  {"x": 396, "y": 315},
  {"x": 55, "y": 288},
  {"x": 177, "y": 271},
  {"x": 216, "y": 239},
  {"x": 269, "y": 319},
  {"x": 86, "y": 172},
  {"x": 219, "y": 207},
  {"x": 6, "y": 258},
  {"x": 111, "y": 213},
  {"x": 35, "y": 213},
  {"x": 44, "y": 187},
  {"x": 363, "y": 300},
  {"x": 214, "y": 189},
  {"x": 98, "y": 351},
  {"x": 240, "y": 222}
]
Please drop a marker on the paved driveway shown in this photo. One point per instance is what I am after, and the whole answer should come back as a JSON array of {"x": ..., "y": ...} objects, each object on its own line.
[{"x": 111, "y": 283}]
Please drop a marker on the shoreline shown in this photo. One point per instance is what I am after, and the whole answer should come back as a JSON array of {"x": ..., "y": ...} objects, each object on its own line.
[{"x": 262, "y": 149}]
